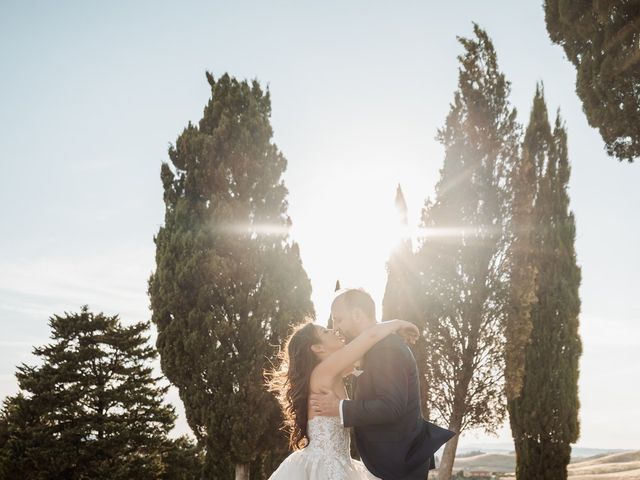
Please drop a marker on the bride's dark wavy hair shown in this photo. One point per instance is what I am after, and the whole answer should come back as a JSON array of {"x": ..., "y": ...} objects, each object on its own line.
[{"x": 290, "y": 382}]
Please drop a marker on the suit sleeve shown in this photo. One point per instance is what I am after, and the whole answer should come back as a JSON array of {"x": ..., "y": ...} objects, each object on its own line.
[{"x": 390, "y": 391}]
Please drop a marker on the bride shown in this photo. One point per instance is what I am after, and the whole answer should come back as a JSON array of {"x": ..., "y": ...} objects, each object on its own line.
[{"x": 315, "y": 359}]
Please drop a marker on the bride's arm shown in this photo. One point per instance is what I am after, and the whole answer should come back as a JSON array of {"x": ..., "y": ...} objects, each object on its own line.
[{"x": 336, "y": 363}]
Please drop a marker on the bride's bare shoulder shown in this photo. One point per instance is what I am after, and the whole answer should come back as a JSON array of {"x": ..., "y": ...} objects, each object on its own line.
[{"x": 320, "y": 380}]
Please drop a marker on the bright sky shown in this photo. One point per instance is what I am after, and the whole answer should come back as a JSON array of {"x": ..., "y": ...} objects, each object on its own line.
[{"x": 92, "y": 93}]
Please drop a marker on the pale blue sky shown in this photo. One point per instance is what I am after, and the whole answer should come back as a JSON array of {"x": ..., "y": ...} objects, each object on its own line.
[{"x": 92, "y": 93}]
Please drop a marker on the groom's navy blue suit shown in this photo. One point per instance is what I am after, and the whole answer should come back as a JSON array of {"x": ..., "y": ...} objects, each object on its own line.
[{"x": 394, "y": 441}]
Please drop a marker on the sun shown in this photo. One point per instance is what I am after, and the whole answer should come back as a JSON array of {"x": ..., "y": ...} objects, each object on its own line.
[{"x": 349, "y": 236}]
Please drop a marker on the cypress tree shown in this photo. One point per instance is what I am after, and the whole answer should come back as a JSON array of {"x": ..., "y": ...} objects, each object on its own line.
[
  {"x": 544, "y": 417},
  {"x": 91, "y": 409},
  {"x": 462, "y": 255},
  {"x": 399, "y": 299},
  {"x": 228, "y": 282},
  {"x": 330, "y": 321},
  {"x": 601, "y": 39},
  {"x": 402, "y": 293},
  {"x": 520, "y": 256}
]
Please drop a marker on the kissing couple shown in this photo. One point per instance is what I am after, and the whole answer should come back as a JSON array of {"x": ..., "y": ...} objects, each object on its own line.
[{"x": 394, "y": 441}]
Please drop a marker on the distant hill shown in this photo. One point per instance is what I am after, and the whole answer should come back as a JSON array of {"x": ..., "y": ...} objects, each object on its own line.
[
  {"x": 616, "y": 466},
  {"x": 492, "y": 462},
  {"x": 577, "y": 452},
  {"x": 610, "y": 466},
  {"x": 580, "y": 453}
]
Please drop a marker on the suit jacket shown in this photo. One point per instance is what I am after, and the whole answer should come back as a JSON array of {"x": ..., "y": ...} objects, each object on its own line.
[{"x": 394, "y": 441}]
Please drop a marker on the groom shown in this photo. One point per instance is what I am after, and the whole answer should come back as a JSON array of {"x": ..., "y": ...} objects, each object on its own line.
[{"x": 394, "y": 441}]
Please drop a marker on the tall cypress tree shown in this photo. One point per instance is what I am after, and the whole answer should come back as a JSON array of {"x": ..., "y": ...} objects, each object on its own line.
[
  {"x": 399, "y": 296},
  {"x": 402, "y": 292},
  {"x": 228, "y": 282},
  {"x": 544, "y": 417},
  {"x": 523, "y": 186},
  {"x": 91, "y": 409},
  {"x": 462, "y": 260},
  {"x": 601, "y": 39},
  {"x": 399, "y": 299}
]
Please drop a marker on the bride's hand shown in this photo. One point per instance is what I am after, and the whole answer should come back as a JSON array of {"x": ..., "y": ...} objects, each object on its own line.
[{"x": 407, "y": 330}]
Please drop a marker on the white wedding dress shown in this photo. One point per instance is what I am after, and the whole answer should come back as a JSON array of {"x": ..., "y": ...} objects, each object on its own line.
[{"x": 327, "y": 457}]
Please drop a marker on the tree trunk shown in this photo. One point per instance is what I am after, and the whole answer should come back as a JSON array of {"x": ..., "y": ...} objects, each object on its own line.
[
  {"x": 242, "y": 471},
  {"x": 449, "y": 455}
]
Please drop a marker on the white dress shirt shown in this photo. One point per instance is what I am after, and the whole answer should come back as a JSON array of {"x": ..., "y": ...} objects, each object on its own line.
[{"x": 356, "y": 372}]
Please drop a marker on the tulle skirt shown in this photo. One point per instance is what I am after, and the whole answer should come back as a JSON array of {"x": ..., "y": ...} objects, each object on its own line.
[{"x": 309, "y": 464}]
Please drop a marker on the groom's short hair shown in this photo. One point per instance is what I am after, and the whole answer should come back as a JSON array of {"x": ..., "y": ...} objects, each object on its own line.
[{"x": 357, "y": 298}]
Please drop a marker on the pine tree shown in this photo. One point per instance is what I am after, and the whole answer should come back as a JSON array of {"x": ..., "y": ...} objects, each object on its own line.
[
  {"x": 602, "y": 39},
  {"x": 402, "y": 292},
  {"x": 183, "y": 461},
  {"x": 544, "y": 417},
  {"x": 228, "y": 282},
  {"x": 92, "y": 409},
  {"x": 462, "y": 255}
]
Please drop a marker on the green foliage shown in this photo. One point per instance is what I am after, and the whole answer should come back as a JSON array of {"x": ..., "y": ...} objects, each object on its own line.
[
  {"x": 522, "y": 271},
  {"x": 228, "y": 283},
  {"x": 402, "y": 298},
  {"x": 401, "y": 293},
  {"x": 92, "y": 409},
  {"x": 461, "y": 269},
  {"x": 544, "y": 417},
  {"x": 183, "y": 460},
  {"x": 462, "y": 256},
  {"x": 601, "y": 39}
]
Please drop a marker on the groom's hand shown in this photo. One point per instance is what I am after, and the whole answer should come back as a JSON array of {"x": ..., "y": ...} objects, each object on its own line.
[{"x": 325, "y": 404}]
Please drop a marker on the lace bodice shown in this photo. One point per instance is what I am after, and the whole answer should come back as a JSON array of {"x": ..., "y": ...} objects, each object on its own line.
[{"x": 329, "y": 437}]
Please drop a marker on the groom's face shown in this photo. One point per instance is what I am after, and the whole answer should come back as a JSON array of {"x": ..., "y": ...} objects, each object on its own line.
[{"x": 344, "y": 320}]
